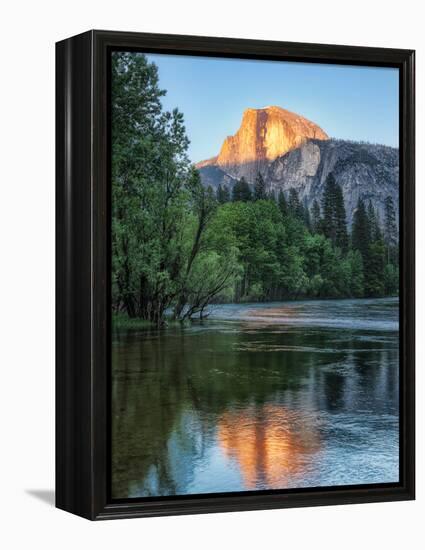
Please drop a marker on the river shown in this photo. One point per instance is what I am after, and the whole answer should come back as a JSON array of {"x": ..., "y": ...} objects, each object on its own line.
[{"x": 258, "y": 396}]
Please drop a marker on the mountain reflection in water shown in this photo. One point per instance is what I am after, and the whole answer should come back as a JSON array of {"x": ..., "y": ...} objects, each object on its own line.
[
  {"x": 270, "y": 444},
  {"x": 259, "y": 396}
]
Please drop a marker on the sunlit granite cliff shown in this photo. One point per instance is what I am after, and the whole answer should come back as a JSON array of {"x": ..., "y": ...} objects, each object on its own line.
[
  {"x": 264, "y": 135},
  {"x": 293, "y": 152}
]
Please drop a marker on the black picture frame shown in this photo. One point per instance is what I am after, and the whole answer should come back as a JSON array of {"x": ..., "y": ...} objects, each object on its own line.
[{"x": 82, "y": 273}]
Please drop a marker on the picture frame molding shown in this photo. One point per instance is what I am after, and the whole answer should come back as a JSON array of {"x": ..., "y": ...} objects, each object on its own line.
[{"x": 83, "y": 273}]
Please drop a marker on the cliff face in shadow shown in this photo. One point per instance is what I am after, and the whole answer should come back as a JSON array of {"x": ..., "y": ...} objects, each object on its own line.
[
  {"x": 363, "y": 170},
  {"x": 366, "y": 171}
]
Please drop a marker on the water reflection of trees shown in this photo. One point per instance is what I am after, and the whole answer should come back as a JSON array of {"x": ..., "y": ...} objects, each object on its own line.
[{"x": 258, "y": 394}]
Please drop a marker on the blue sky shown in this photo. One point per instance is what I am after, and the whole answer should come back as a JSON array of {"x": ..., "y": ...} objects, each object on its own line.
[{"x": 347, "y": 102}]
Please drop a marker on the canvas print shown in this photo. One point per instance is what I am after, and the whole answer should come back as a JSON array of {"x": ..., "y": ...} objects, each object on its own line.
[{"x": 254, "y": 275}]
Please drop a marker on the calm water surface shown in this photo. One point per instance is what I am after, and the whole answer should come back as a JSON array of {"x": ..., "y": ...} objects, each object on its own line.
[{"x": 259, "y": 396}]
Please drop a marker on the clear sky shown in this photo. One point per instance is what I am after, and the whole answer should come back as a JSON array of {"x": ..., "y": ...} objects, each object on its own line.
[{"x": 347, "y": 102}]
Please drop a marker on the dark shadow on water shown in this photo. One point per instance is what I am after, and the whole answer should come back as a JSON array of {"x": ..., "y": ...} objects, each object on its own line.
[{"x": 45, "y": 495}]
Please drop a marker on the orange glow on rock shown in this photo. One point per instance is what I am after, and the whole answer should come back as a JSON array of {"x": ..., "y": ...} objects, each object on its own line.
[{"x": 268, "y": 449}]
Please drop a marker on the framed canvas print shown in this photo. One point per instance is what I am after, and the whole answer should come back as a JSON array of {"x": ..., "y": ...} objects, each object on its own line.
[{"x": 235, "y": 275}]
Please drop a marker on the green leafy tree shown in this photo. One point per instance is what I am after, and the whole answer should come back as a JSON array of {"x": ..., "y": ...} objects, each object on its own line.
[
  {"x": 161, "y": 211},
  {"x": 203, "y": 206},
  {"x": 374, "y": 270},
  {"x": 355, "y": 261},
  {"x": 313, "y": 255},
  {"x": 148, "y": 196},
  {"x": 258, "y": 232},
  {"x": 335, "y": 272}
]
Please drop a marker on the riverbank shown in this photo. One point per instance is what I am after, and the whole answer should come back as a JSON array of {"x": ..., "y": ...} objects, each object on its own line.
[
  {"x": 365, "y": 311},
  {"x": 121, "y": 321}
]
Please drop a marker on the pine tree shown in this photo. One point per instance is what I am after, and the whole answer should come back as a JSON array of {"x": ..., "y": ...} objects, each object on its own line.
[
  {"x": 306, "y": 216},
  {"x": 283, "y": 205},
  {"x": 334, "y": 223},
  {"x": 375, "y": 229},
  {"x": 294, "y": 205},
  {"x": 328, "y": 199},
  {"x": 374, "y": 270},
  {"x": 226, "y": 193},
  {"x": 219, "y": 194},
  {"x": 241, "y": 191},
  {"x": 259, "y": 188},
  {"x": 272, "y": 196},
  {"x": 367, "y": 239},
  {"x": 360, "y": 236},
  {"x": 236, "y": 191},
  {"x": 222, "y": 194},
  {"x": 375, "y": 259},
  {"x": 316, "y": 218},
  {"x": 390, "y": 230},
  {"x": 340, "y": 220}
]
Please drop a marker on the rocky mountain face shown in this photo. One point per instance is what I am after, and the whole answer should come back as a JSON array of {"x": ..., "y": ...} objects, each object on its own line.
[
  {"x": 303, "y": 162},
  {"x": 369, "y": 172},
  {"x": 213, "y": 176},
  {"x": 264, "y": 135}
]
